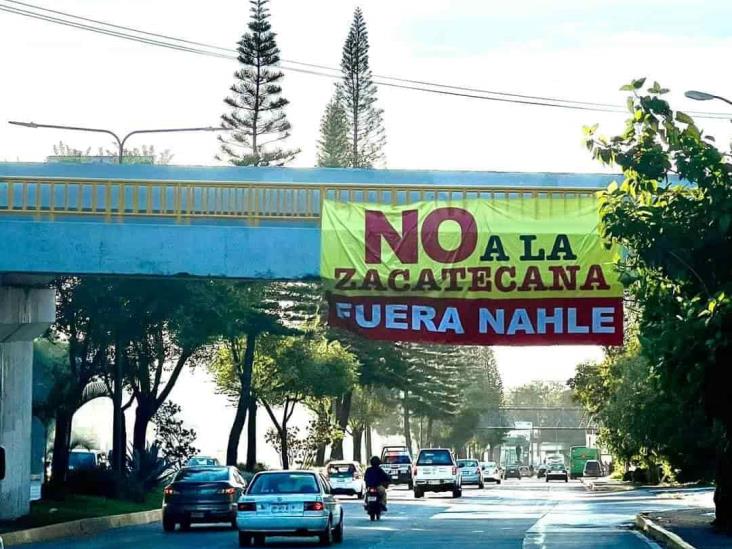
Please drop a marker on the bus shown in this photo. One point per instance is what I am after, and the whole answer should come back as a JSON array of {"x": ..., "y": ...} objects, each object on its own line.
[{"x": 578, "y": 456}]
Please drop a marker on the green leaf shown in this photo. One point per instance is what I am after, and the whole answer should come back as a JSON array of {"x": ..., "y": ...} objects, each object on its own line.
[
  {"x": 638, "y": 83},
  {"x": 684, "y": 118}
]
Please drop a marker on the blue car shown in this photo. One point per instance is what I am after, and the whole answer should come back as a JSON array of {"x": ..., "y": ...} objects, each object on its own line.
[{"x": 471, "y": 472}]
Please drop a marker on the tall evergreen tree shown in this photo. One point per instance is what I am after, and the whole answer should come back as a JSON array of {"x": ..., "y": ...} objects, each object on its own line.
[
  {"x": 366, "y": 137},
  {"x": 257, "y": 118},
  {"x": 333, "y": 145}
]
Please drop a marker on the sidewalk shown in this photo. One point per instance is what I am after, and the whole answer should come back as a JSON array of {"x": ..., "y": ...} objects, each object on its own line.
[{"x": 693, "y": 526}]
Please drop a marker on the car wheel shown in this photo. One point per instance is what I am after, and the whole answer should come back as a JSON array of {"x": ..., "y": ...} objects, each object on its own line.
[
  {"x": 498, "y": 482},
  {"x": 418, "y": 493},
  {"x": 359, "y": 495},
  {"x": 411, "y": 485},
  {"x": 326, "y": 538},
  {"x": 481, "y": 486},
  {"x": 338, "y": 534},
  {"x": 259, "y": 540},
  {"x": 168, "y": 524},
  {"x": 185, "y": 524},
  {"x": 457, "y": 493},
  {"x": 566, "y": 479},
  {"x": 245, "y": 540}
]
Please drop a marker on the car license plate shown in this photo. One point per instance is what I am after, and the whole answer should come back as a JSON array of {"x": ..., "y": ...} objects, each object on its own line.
[
  {"x": 394, "y": 476},
  {"x": 434, "y": 482},
  {"x": 279, "y": 508},
  {"x": 197, "y": 515},
  {"x": 371, "y": 499}
]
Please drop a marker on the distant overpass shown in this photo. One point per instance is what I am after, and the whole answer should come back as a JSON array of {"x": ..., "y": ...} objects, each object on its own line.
[{"x": 541, "y": 418}]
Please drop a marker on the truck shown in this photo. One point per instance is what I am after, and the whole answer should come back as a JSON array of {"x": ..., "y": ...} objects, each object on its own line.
[
  {"x": 578, "y": 456},
  {"x": 396, "y": 461}
]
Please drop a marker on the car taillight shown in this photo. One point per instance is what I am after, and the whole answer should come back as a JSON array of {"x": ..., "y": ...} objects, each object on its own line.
[
  {"x": 356, "y": 476},
  {"x": 170, "y": 491},
  {"x": 314, "y": 506},
  {"x": 414, "y": 471},
  {"x": 247, "y": 506},
  {"x": 227, "y": 491},
  {"x": 454, "y": 470}
]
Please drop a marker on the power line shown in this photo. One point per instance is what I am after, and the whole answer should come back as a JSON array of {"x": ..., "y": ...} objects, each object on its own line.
[
  {"x": 314, "y": 65},
  {"x": 189, "y": 46}
]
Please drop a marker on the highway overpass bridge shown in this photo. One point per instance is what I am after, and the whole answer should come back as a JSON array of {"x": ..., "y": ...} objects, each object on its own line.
[{"x": 224, "y": 222}]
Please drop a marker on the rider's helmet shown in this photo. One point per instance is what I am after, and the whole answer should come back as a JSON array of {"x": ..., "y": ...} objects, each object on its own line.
[{"x": 375, "y": 462}]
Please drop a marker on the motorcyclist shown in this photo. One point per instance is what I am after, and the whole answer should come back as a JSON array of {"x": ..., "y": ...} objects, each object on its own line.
[{"x": 375, "y": 477}]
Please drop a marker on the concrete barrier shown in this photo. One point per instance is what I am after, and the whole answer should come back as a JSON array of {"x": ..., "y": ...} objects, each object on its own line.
[
  {"x": 78, "y": 528},
  {"x": 658, "y": 533}
]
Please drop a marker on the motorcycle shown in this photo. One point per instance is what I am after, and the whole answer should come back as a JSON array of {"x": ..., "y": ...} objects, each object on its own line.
[{"x": 373, "y": 505}]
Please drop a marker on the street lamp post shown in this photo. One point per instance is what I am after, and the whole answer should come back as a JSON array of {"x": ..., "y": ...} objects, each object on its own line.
[
  {"x": 120, "y": 142},
  {"x": 704, "y": 96}
]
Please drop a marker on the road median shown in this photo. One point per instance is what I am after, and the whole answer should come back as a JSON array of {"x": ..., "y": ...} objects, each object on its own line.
[
  {"x": 660, "y": 534},
  {"x": 79, "y": 528}
]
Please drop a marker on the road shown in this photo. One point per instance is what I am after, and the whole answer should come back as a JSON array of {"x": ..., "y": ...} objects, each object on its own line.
[{"x": 526, "y": 514}]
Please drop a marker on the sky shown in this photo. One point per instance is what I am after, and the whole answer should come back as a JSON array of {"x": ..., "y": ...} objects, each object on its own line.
[{"x": 574, "y": 49}]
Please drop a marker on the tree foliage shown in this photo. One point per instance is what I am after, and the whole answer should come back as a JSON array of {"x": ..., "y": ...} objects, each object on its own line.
[
  {"x": 174, "y": 440},
  {"x": 257, "y": 119},
  {"x": 357, "y": 88},
  {"x": 145, "y": 151},
  {"x": 333, "y": 145},
  {"x": 298, "y": 368},
  {"x": 640, "y": 422},
  {"x": 672, "y": 213}
]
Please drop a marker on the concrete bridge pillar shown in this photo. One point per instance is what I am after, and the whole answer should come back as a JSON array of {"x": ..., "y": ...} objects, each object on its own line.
[{"x": 25, "y": 313}]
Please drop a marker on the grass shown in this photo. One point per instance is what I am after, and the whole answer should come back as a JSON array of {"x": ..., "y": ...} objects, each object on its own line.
[{"x": 75, "y": 507}]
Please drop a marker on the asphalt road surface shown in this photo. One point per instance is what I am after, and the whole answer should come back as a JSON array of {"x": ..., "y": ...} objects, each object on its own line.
[{"x": 527, "y": 514}]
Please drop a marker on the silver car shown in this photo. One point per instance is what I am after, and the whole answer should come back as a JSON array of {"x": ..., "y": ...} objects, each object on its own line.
[{"x": 289, "y": 503}]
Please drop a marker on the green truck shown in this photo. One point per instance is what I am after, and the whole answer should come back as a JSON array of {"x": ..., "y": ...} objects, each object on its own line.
[{"x": 578, "y": 456}]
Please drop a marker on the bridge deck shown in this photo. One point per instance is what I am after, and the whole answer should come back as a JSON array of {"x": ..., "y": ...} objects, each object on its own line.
[{"x": 221, "y": 222}]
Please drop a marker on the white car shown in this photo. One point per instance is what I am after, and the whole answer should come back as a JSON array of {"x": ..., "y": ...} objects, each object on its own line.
[
  {"x": 346, "y": 477},
  {"x": 289, "y": 503},
  {"x": 436, "y": 471},
  {"x": 491, "y": 472}
]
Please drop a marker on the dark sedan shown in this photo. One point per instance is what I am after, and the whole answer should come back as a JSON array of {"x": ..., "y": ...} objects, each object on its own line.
[{"x": 202, "y": 494}]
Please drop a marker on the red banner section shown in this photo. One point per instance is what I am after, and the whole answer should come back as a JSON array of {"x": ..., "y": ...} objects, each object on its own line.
[{"x": 549, "y": 321}]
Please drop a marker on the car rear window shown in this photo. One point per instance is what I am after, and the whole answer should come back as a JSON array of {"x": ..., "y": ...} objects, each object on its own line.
[
  {"x": 202, "y": 475},
  {"x": 434, "y": 457},
  {"x": 82, "y": 459},
  {"x": 283, "y": 483},
  {"x": 467, "y": 463},
  {"x": 396, "y": 459},
  {"x": 198, "y": 462},
  {"x": 341, "y": 470},
  {"x": 556, "y": 467}
]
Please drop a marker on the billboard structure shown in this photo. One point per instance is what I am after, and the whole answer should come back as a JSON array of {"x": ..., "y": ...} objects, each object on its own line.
[{"x": 478, "y": 272}]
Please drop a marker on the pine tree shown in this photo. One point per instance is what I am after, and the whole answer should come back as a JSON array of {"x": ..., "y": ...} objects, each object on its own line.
[
  {"x": 333, "y": 146},
  {"x": 366, "y": 137},
  {"x": 257, "y": 118}
]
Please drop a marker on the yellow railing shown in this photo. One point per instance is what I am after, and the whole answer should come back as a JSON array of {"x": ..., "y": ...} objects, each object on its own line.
[{"x": 182, "y": 200}]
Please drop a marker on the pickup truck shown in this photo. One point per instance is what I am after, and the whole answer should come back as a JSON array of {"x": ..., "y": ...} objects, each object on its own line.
[{"x": 436, "y": 471}]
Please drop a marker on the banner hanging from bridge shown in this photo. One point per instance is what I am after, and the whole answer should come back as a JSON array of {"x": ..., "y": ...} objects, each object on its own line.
[{"x": 513, "y": 271}]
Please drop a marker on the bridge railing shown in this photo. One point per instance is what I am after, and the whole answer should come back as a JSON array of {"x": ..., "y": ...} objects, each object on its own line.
[{"x": 50, "y": 197}]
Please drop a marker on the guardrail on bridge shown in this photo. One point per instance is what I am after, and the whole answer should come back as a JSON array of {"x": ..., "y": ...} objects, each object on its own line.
[{"x": 231, "y": 200}]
